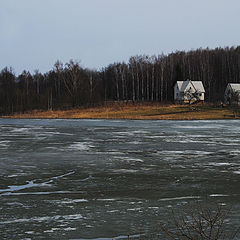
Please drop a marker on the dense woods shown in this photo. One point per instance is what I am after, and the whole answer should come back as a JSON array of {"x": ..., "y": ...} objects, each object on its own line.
[{"x": 142, "y": 78}]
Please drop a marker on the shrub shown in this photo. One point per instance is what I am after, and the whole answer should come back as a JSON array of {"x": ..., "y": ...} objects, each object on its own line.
[{"x": 199, "y": 222}]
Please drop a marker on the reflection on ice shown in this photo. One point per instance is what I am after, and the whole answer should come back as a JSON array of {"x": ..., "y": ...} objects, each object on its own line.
[{"x": 32, "y": 184}]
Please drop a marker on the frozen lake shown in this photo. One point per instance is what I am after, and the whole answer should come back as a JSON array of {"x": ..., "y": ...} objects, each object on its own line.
[{"x": 78, "y": 179}]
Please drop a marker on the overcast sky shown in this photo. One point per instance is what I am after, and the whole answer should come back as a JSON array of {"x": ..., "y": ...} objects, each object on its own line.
[{"x": 35, "y": 33}]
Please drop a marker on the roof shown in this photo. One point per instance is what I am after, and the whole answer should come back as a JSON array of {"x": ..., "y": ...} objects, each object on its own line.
[
  {"x": 235, "y": 86},
  {"x": 179, "y": 84},
  {"x": 197, "y": 85}
]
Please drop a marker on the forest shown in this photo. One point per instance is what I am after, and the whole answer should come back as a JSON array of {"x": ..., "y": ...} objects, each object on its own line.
[{"x": 142, "y": 79}]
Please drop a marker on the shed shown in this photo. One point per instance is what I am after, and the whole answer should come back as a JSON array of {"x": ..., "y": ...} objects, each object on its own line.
[{"x": 232, "y": 94}]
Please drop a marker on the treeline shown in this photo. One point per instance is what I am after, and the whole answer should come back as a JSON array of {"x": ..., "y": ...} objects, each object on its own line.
[{"x": 142, "y": 78}]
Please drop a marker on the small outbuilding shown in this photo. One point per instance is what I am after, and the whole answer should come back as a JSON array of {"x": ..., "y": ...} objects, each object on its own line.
[
  {"x": 188, "y": 91},
  {"x": 232, "y": 94}
]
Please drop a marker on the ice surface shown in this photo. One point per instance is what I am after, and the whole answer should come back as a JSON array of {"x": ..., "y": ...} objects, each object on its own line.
[{"x": 87, "y": 179}]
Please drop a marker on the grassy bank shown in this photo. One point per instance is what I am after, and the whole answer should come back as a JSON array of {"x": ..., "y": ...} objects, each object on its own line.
[{"x": 137, "y": 111}]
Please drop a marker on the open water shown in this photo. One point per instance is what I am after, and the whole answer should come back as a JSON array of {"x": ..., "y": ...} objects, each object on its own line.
[{"x": 89, "y": 179}]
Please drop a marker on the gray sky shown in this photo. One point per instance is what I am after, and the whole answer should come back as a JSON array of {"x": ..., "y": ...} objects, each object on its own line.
[{"x": 35, "y": 33}]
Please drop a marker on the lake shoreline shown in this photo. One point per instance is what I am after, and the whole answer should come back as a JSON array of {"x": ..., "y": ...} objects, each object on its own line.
[{"x": 153, "y": 111}]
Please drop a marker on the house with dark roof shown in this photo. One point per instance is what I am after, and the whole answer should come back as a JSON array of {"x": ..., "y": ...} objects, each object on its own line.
[{"x": 189, "y": 91}]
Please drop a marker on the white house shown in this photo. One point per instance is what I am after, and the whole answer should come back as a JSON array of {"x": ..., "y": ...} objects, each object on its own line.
[
  {"x": 232, "y": 94},
  {"x": 188, "y": 91}
]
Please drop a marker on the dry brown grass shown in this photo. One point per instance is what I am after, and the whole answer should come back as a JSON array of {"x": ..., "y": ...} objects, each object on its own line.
[{"x": 136, "y": 111}]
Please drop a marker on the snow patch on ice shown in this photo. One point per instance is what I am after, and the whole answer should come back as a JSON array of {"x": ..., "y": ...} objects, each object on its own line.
[
  {"x": 179, "y": 198},
  {"x": 80, "y": 146},
  {"x": 125, "y": 171},
  {"x": 44, "y": 219},
  {"x": 70, "y": 201},
  {"x": 130, "y": 159},
  {"x": 219, "y": 164},
  {"x": 107, "y": 199},
  {"x": 218, "y": 195}
]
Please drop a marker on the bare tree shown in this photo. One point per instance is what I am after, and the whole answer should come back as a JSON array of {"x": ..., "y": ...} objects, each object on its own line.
[
  {"x": 199, "y": 222},
  {"x": 192, "y": 95}
]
